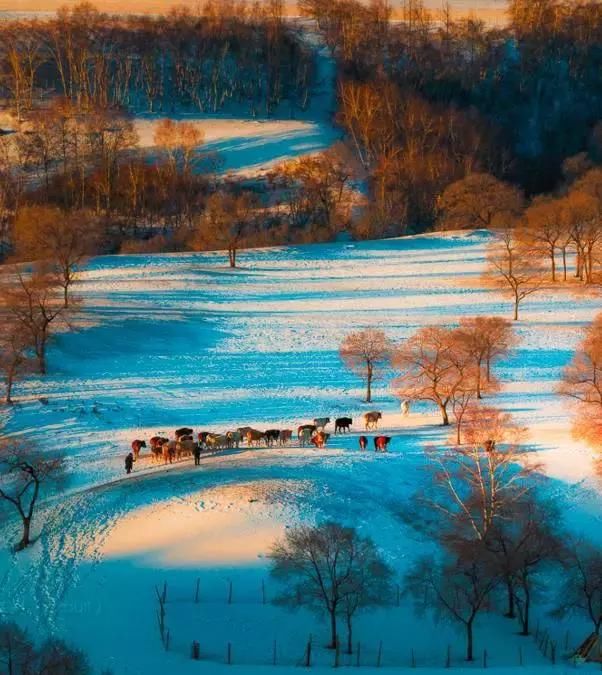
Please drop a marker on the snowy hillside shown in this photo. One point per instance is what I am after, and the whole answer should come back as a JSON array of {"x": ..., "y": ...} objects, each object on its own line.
[{"x": 180, "y": 339}]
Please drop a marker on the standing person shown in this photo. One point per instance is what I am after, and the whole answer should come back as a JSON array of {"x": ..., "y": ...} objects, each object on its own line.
[
  {"x": 129, "y": 463},
  {"x": 405, "y": 408},
  {"x": 197, "y": 454}
]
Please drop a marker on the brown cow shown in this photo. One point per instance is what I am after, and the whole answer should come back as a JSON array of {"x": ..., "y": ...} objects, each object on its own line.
[
  {"x": 381, "y": 443},
  {"x": 285, "y": 436},
  {"x": 363, "y": 442},
  {"x": 169, "y": 451},
  {"x": 156, "y": 446},
  {"x": 320, "y": 438},
  {"x": 254, "y": 437},
  {"x": 136, "y": 447},
  {"x": 371, "y": 419},
  {"x": 185, "y": 448}
]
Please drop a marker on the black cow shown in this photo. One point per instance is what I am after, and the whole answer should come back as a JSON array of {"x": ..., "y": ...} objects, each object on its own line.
[
  {"x": 184, "y": 431},
  {"x": 342, "y": 424},
  {"x": 272, "y": 436}
]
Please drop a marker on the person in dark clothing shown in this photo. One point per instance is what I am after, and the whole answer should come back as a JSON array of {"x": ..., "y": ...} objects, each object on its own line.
[
  {"x": 129, "y": 463},
  {"x": 197, "y": 454}
]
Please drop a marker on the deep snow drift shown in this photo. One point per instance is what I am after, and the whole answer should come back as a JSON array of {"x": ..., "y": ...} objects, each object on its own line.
[{"x": 180, "y": 339}]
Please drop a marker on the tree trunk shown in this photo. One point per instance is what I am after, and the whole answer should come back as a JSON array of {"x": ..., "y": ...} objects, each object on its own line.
[
  {"x": 333, "y": 630},
  {"x": 369, "y": 385},
  {"x": 349, "y": 635},
  {"x": 42, "y": 355},
  {"x": 516, "y": 304},
  {"x": 525, "y": 610},
  {"x": 553, "y": 259},
  {"x": 510, "y": 613},
  {"x": 66, "y": 295},
  {"x": 9, "y": 387},
  {"x": 25, "y": 538},
  {"x": 444, "y": 415},
  {"x": 232, "y": 256},
  {"x": 469, "y": 641},
  {"x": 564, "y": 263}
]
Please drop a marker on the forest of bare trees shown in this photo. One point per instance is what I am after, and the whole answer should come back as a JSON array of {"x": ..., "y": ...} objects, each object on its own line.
[{"x": 227, "y": 53}]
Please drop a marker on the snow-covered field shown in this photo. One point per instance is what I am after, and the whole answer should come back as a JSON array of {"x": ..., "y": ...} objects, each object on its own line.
[{"x": 181, "y": 339}]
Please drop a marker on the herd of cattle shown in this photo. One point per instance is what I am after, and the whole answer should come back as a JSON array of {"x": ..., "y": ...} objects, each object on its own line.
[{"x": 184, "y": 444}]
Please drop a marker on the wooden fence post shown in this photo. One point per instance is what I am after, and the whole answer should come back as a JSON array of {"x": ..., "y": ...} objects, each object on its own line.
[{"x": 196, "y": 650}]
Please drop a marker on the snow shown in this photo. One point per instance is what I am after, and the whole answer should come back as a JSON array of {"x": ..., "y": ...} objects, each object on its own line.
[
  {"x": 248, "y": 148},
  {"x": 180, "y": 339}
]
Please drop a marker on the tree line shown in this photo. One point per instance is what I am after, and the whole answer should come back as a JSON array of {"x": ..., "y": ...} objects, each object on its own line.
[
  {"x": 224, "y": 54},
  {"x": 430, "y": 100}
]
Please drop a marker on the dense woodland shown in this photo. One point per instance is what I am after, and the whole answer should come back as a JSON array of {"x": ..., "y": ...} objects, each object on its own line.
[
  {"x": 229, "y": 54},
  {"x": 432, "y": 108}
]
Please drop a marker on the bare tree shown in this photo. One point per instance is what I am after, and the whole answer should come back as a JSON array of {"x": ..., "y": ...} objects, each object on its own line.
[
  {"x": 15, "y": 348},
  {"x": 546, "y": 229},
  {"x": 55, "y": 657},
  {"x": 24, "y": 470},
  {"x": 513, "y": 265},
  {"x": 366, "y": 353},
  {"x": 525, "y": 544},
  {"x": 32, "y": 302},
  {"x": 581, "y": 591},
  {"x": 486, "y": 338},
  {"x": 226, "y": 222},
  {"x": 63, "y": 240},
  {"x": 458, "y": 588},
  {"x": 476, "y": 201},
  {"x": 17, "y": 654},
  {"x": 582, "y": 382},
  {"x": 432, "y": 368},
  {"x": 477, "y": 483},
  {"x": 332, "y": 569}
]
